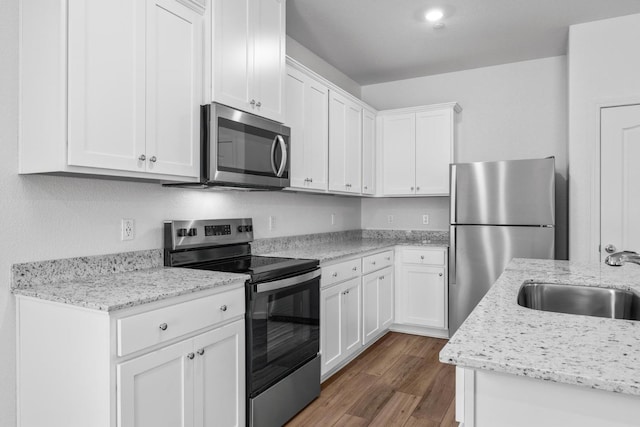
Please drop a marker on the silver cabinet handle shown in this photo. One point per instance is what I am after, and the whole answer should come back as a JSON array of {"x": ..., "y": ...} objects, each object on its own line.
[
  {"x": 142, "y": 157},
  {"x": 310, "y": 179},
  {"x": 417, "y": 188},
  {"x": 253, "y": 102},
  {"x": 373, "y": 262},
  {"x": 440, "y": 274},
  {"x": 190, "y": 356},
  {"x": 335, "y": 274},
  {"x": 201, "y": 351},
  {"x": 223, "y": 308},
  {"x": 153, "y": 159},
  {"x": 411, "y": 188},
  {"x": 388, "y": 258},
  {"x": 610, "y": 248},
  {"x": 355, "y": 268},
  {"x": 163, "y": 326},
  {"x": 259, "y": 104},
  {"x": 421, "y": 256},
  {"x": 381, "y": 277}
]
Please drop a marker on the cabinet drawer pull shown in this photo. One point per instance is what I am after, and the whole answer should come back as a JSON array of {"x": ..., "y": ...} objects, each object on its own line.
[
  {"x": 411, "y": 188},
  {"x": 153, "y": 159},
  {"x": 421, "y": 256},
  {"x": 335, "y": 274},
  {"x": 355, "y": 268},
  {"x": 163, "y": 326},
  {"x": 142, "y": 157},
  {"x": 253, "y": 102},
  {"x": 373, "y": 262},
  {"x": 190, "y": 356},
  {"x": 201, "y": 351},
  {"x": 223, "y": 308},
  {"x": 417, "y": 188},
  {"x": 259, "y": 104},
  {"x": 440, "y": 274}
]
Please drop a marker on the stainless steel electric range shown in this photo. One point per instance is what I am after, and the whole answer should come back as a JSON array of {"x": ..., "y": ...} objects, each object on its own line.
[{"x": 282, "y": 313}]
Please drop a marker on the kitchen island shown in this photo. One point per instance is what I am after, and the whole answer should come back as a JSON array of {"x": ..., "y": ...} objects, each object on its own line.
[{"x": 524, "y": 367}]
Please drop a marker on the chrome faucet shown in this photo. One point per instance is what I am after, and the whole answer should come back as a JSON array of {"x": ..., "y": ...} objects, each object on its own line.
[{"x": 619, "y": 258}]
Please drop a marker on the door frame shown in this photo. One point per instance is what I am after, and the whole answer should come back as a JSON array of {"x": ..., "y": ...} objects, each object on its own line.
[{"x": 594, "y": 162}]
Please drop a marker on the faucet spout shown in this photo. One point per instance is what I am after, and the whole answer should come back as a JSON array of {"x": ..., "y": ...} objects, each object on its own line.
[{"x": 619, "y": 258}]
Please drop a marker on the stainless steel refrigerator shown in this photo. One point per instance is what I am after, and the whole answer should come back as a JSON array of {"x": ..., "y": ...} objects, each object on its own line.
[{"x": 499, "y": 211}]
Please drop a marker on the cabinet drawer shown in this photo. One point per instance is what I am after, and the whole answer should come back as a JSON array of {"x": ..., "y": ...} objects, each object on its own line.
[
  {"x": 154, "y": 327},
  {"x": 424, "y": 256},
  {"x": 377, "y": 261},
  {"x": 342, "y": 271}
]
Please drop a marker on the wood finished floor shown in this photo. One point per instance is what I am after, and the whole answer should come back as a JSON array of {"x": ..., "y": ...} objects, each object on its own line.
[{"x": 396, "y": 382}]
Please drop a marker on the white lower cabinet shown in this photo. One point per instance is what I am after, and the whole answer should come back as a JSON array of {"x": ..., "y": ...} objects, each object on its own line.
[
  {"x": 377, "y": 303},
  {"x": 188, "y": 370},
  {"x": 340, "y": 322},
  {"x": 421, "y": 291},
  {"x": 197, "y": 382}
]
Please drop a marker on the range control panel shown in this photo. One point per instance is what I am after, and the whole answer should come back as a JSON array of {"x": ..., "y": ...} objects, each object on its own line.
[{"x": 184, "y": 234}]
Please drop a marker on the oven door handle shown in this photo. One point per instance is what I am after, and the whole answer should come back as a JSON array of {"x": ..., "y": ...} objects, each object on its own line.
[{"x": 288, "y": 282}]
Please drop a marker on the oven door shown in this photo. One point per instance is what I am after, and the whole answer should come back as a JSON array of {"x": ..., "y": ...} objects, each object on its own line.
[
  {"x": 283, "y": 328},
  {"x": 247, "y": 150}
]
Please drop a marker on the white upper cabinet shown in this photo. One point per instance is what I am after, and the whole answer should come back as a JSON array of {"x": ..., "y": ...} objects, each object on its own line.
[
  {"x": 418, "y": 146},
  {"x": 307, "y": 115},
  {"x": 345, "y": 144},
  {"x": 122, "y": 91},
  {"x": 368, "y": 151},
  {"x": 249, "y": 56}
]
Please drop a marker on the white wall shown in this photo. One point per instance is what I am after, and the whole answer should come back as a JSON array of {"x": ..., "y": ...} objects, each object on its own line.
[
  {"x": 407, "y": 213},
  {"x": 45, "y": 217},
  {"x": 510, "y": 111},
  {"x": 604, "y": 70},
  {"x": 312, "y": 61}
]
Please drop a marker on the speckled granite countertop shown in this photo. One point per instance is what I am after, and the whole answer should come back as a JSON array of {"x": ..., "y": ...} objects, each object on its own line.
[
  {"x": 331, "y": 251},
  {"x": 122, "y": 290},
  {"x": 594, "y": 352}
]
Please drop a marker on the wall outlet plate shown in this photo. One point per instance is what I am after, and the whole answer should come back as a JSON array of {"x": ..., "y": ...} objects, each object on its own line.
[
  {"x": 333, "y": 219},
  {"x": 272, "y": 222},
  {"x": 425, "y": 219},
  {"x": 128, "y": 229},
  {"x": 390, "y": 219}
]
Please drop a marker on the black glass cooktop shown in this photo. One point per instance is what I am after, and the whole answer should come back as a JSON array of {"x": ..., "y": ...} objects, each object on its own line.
[{"x": 260, "y": 268}]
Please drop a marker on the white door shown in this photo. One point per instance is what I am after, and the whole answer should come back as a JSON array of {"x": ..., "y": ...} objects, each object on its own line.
[
  {"x": 232, "y": 53},
  {"x": 619, "y": 178},
  {"x": 269, "y": 58},
  {"x": 220, "y": 377},
  {"x": 308, "y": 117},
  {"x": 353, "y": 148},
  {"x": 106, "y": 77},
  {"x": 385, "y": 297},
  {"x": 331, "y": 320},
  {"x": 352, "y": 316},
  {"x": 174, "y": 88},
  {"x": 370, "y": 306},
  {"x": 423, "y": 296},
  {"x": 368, "y": 152},
  {"x": 434, "y": 145},
  {"x": 399, "y": 166},
  {"x": 338, "y": 107},
  {"x": 156, "y": 390}
]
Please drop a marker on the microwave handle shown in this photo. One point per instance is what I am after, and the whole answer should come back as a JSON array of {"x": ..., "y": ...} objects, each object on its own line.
[
  {"x": 283, "y": 163},
  {"x": 273, "y": 152}
]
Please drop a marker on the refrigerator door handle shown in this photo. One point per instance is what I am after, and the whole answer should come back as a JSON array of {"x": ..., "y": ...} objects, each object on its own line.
[
  {"x": 452, "y": 255},
  {"x": 452, "y": 194}
]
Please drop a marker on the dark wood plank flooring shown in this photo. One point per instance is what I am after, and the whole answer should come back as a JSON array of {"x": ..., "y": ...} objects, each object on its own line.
[{"x": 398, "y": 381}]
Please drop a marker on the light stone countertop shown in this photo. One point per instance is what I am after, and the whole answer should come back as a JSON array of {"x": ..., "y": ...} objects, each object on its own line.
[
  {"x": 594, "y": 352},
  {"x": 331, "y": 251},
  {"x": 122, "y": 290}
]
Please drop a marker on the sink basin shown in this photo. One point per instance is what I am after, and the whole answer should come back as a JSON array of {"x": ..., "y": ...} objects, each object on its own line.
[{"x": 575, "y": 299}]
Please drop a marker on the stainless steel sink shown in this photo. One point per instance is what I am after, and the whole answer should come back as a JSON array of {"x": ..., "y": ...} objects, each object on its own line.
[{"x": 575, "y": 299}]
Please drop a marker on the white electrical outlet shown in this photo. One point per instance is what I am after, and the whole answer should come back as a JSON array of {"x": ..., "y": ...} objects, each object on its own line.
[
  {"x": 425, "y": 219},
  {"x": 272, "y": 222},
  {"x": 333, "y": 219},
  {"x": 128, "y": 229},
  {"x": 390, "y": 219}
]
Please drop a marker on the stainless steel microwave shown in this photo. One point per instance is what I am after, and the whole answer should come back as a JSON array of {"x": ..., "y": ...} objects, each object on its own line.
[{"x": 242, "y": 150}]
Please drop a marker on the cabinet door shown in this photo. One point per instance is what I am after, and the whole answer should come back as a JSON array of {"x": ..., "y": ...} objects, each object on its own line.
[
  {"x": 352, "y": 326},
  {"x": 308, "y": 117},
  {"x": 331, "y": 320},
  {"x": 269, "y": 58},
  {"x": 106, "y": 78},
  {"x": 385, "y": 297},
  {"x": 156, "y": 390},
  {"x": 232, "y": 53},
  {"x": 370, "y": 306},
  {"x": 368, "y": 151},
  {"x": 423, "y": 296},
  {"x": 434, "y": 151},
  {"x": 399, "y": 162},
  {"x": 345, "y": 141},
  {"x": 353, "y": 148},
  {"x": 220, "y": 377},
  {"x": 174, "y": 88}
]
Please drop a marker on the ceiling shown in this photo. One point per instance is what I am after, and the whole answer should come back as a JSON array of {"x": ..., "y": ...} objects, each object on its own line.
[{"x": 374, "y": 41}]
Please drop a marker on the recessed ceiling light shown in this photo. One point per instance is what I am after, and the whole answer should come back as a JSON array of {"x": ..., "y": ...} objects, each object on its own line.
[{"x": 434, "y": 15}]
